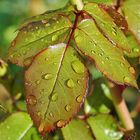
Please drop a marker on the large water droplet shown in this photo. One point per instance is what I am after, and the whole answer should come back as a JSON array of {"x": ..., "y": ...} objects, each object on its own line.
[
  {"x": 67, "y": 108},
  {"x": 61, "y": 123},
  {"x": 41, "y": 127},
  {"x": 47, "y": 76},
  {"x": 54, "y": 37},
  {"x": 131, "y": 69},
  {"x": 54, "y": 97},
  {"x": 70, "y": 83},
  {"x": 78, "y": 67},
  {"x": 31, "y": 100},
  {"x": 79, "y": 98},
  {"x": 126, "y": 79}
]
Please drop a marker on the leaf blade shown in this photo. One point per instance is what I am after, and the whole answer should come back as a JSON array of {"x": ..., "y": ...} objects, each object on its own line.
[
  {"x": 59, "y": 82},
  {"x": 107, "y": 57}
]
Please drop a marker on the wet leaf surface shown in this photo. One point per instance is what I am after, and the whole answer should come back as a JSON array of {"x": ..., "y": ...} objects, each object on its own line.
[
  {"x": 77, "y": 130},
  {"x": 107, "y": 57},
  {"x": 107, "y": 26},
  {"x": 104, "y": 127},
  {"x": 131, "y": 10},
  {"x": 36, "y": 36},
  {"x": 15, "y": 126},
  {"x": 56, "y": 85}
]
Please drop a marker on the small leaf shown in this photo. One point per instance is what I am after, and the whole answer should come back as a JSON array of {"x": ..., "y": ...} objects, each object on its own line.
[
  {"x": 100, "y": 100},
  {"x": 131, "y": 10},
  {"x": 73, "y": 131},
  {"x": 108, "y": 58},
  {"x": 107, "y": 26},
  {"x": 104, "y": 127},
  {"x": 56, "y": 84},
  {"x": 36, "y": 36},
  {"x": 134, "y": 45},
  {"x": 15, "y": 126}
]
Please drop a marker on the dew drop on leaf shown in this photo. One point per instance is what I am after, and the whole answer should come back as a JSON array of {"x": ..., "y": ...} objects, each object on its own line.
[
  {"x": 41, "y": 127},
  {"x": 78, "y": 67},
  {"x": 126, "y": 79},
  {"x": 31, "y": 100},
  {"x": 131, "y": 69},
  {"x": 54, "y": 97},
  {"x": 61, "y": 123},
  {"x": 79, "y": 98},
  {"x": 47, "y": 76},
  {"x": 93, "y": 52},
  {"x": 79, "y": 82},
  {"x": 67, "y": 108},
  {"x": 37, "y": 82},
  {"x": 70, "y": 83},
  {"x": 54, "y": 37},
  {"x": 51, "y": 114}
]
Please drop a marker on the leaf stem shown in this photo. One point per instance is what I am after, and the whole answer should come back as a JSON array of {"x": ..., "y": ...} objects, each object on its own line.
[
  {"x": 121, "y": 108},
  {"x": 78, "y": 3}
]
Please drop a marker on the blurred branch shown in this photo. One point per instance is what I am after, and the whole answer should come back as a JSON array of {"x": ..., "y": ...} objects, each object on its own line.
[{"x": 121, "y": 108}]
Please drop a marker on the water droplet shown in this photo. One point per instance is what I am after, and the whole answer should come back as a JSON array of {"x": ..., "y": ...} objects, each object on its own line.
[
  {"x": 122, "y": 64},
  {"x": 107, "y": 58},
  {"x": 24, "y": 52},
  {"x": 101, "y": 54},
  {"x": 114, "y": 31},
  {"x": 31, "y": 99},
  {"x": 78, "y": 67},
  {"x": 68, "y": 108},
  {"x": 70, "y": 83},
  {"x": 135, "y": 50},
  {"x": 79, "y": 82},
  {"x": 61, "y": 123},
  {"x": 79, "y": 98},
  {"x": 54, "y": 37},
  {"x": 54, "y": 97},
  {"x": 126, "y": 79},
  {"x": 37, "y": 82},
  {"x": 44, "y": 21},
  {"x": 41, "y": 127},
  {"x": 103, "y": 62},
  {"x": 47, "y": 76},
  {"x": 131, "y": 69},
  {"x": 51, "y": 114},
  {"x": 93, "y": 52}
]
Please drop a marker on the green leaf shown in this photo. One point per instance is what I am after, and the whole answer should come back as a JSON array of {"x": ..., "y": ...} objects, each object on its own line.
[
  {"x": 108, "y": 58},
  {"x": 104, "y": 127},
  {"x": 56, "y": 84},
  {"x": 32, "y": 134},
  {"x": 109, "y": 2},
  {"x": 131, "y": 10},
  {"x": 3, "y": 68},
  {"x": 15, "y": 126},
  {"x": 36, "y": 36},
  {"x": 135, "y": 46},
  {"x": 73, "y": 131},
  {"x": 100, "y": 100},
  {"x": 107, "y": 26}
]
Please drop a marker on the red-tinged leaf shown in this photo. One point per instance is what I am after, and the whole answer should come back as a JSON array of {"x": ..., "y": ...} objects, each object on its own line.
[
  {"x": 36, "y": 36},
  {"x": 108, "y": 58},
  {"x": 107, "y": 26},
  {"x": 56, "y": 84},
  {"x": 118, "y": 19},
  {"x": 131, "y": 10}
]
